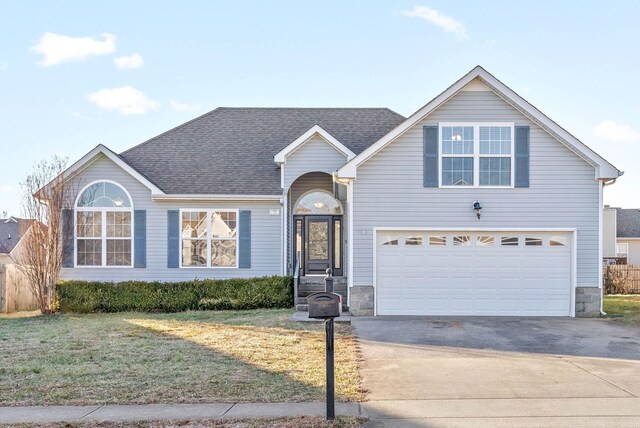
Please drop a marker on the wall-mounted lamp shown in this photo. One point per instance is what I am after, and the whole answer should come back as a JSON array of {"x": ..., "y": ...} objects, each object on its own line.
[{"x": 477, "y": 208}]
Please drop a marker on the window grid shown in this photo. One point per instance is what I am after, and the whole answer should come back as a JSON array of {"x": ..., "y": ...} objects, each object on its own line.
[
  {"x": 495, "y": 142},
  {"x": 213, "y": 246},
  {"x": 103, "y": 232}
]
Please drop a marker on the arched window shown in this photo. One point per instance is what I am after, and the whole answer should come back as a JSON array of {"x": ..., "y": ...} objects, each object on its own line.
[
  {"x": 104, "y": 226},
  {"x": 317, "y": 202}
]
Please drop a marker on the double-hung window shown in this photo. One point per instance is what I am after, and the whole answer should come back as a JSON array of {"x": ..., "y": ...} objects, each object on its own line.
[
  {"x": 476, "y": 155},
  {"x": 103, "y": 226},
  {"x": 209, "y": 238}
]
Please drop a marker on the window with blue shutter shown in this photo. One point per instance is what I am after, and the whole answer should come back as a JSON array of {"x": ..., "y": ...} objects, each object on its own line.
[
  {"x": 522, "y": 148},
  {"x": 140, "y": 238},
  {"x": 430, "y": 156}
]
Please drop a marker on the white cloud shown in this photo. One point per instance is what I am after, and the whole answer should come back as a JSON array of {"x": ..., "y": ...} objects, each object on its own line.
[
  {"x": 128, "y": 62},
  {"x": 58, "y": 48},
  {"x": 616, "y": 132},
  {"x": 178, "y": 106},
  {"x": 124, "y": 100},
  {"x": 444, "y": 22},
  {"x": 5, "y": 188}
]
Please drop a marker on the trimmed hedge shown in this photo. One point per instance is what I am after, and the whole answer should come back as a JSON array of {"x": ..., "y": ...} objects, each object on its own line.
[{"x": 205, "y": 294}]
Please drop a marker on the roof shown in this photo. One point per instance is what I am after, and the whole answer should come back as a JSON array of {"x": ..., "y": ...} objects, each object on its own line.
[
  {"x": 230, "y": 151},
  {"x": 604, "y": 170},
  {"x": 628, "y": 223},
  {"x": 11, "y": 231}
]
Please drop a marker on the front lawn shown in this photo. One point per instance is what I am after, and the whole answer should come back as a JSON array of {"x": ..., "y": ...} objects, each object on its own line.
[
  {"x": 626, "y": 305},
  {"x": 187, "y": 357}
]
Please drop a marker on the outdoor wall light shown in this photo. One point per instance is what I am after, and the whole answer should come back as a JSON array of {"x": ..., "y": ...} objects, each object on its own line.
[{"x": 477, "y": 207}]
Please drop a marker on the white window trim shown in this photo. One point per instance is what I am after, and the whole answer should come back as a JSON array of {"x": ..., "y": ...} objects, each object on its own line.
[
  {"x": 619, "y": 246},
  {"x": 103, "y": 236},
  {"x": 476, "y": 153},
  {"x": 209, "y": 211}
]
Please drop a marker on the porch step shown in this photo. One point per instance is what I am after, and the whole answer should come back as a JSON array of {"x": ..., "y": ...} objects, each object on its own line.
[
  {"x": 320, "y": 280},
  {"x": 307, "y": 289}
]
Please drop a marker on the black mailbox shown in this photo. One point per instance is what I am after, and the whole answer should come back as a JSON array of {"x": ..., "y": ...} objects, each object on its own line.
[{"x": 324, "y": 305}]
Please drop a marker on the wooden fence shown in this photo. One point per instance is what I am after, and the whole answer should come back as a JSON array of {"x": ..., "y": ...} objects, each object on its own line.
[
  {"x": 15, "y": 293},
  {"x": 621, "y": 279}
]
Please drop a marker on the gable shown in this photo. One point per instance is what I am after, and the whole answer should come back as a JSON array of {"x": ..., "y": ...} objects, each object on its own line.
[
  {"x": 474, "y": 82},
  {"x": 315, "y": 155}
]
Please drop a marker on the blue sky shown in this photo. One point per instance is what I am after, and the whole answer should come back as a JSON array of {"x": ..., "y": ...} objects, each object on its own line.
[{"x": 75, "y": 74}]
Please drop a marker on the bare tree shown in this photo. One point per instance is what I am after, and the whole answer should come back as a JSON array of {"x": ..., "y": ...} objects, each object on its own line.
[{"x": 46, "y": 200}]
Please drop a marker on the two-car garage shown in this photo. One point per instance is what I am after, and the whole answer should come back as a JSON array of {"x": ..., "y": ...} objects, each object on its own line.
[{"x": 449, "y": 272}]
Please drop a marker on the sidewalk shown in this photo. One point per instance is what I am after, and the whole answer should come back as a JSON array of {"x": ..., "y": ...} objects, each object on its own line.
[
  {"x": 144, "y": 412},
  {"x": 563, "y": 412}
]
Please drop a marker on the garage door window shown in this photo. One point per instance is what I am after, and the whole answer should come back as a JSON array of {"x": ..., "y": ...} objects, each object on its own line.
[
  {"x": 533, "y": 241},
  {"x": 509, "y": 241},
  {"x": 389, "y": 239},
  {"x": 485, "y": 241},
  {"x": 557, "y": 241},
  {"x": 413, "y": 240},
  {"x": 437, "y": 241},
  {"x": 462, "y": 241}
]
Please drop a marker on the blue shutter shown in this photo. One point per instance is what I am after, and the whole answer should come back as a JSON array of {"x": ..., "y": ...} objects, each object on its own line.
[
  {"x": 244, "y": 252},
  {"x": 430, "y": 162},
  {"x": 522, "y": 156},
  {"x": 173, "y": 238},
  {"x": 67, "y": 238},
  {"x": 140, "y": 238}
]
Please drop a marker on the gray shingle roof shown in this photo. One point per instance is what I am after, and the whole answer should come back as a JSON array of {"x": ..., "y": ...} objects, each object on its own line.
[
  {"x": 628, "y": 221},
  {"x": 11, "y": 232},
  {"x": 230, "y": 150}
]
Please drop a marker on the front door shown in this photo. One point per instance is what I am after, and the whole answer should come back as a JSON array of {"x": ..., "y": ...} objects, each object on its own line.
[{"x": 318, "y": 239}]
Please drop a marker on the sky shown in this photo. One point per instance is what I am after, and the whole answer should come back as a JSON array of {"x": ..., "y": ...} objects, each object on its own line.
[{"x": 74, "y": 74}]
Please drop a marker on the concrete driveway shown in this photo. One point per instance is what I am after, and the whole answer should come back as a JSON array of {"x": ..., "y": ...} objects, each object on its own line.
[{"x": 479, "y": 371}]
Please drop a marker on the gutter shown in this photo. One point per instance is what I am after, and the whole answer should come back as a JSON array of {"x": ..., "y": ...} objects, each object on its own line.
[{"x": 202, "y": 197}]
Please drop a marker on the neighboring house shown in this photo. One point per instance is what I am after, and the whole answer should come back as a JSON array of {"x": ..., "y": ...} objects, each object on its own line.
[
  {"x": 15, "y": 292},
  {"x": 477, "y": 204},
  {"x": 12, "y": 230},
  {"x": 621, "y": 234}
]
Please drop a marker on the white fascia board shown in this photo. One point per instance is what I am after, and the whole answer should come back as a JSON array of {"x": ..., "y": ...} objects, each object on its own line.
[
  {"x": 604, "y": 170},
  {"x": 204, "y": 197},
  {"x": 90, "y": 157},
  {"x": 281, "y": 157}
]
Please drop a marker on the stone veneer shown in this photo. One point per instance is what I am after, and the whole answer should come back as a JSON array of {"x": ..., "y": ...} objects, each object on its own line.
[
  {"x": 361, "y": 301},
  {"x": 587, "y": 302}
]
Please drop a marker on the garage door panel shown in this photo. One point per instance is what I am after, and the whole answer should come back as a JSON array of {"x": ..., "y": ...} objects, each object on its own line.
[{"x": 490, "y": 279}]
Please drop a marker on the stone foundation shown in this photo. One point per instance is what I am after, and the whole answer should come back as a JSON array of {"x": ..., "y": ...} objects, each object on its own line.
[
  {"x": 361, "y": 303},
  {"x": 587, "y": 302}
]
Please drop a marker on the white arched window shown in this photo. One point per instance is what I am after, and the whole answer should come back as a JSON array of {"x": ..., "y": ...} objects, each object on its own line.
[
  {"x": 317, "y": 202},
  {"x": 104, "y": 226}
]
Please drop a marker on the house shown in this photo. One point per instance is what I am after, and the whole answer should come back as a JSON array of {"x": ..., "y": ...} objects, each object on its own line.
[
  {"x": 15, "y": 291},
  {"x": 476, "y": 204},
  {"x": 621, "y": 234}
]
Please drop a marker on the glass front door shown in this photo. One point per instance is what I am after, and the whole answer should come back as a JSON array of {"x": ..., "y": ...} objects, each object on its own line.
[{"x": 318, "y": 239}]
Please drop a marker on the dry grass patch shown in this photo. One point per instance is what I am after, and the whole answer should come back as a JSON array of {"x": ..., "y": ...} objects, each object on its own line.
[{"x": 190, "y": 357}]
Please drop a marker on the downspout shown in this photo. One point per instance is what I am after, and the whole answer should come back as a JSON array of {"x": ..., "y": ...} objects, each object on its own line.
[{"x": 604, "y": 184}]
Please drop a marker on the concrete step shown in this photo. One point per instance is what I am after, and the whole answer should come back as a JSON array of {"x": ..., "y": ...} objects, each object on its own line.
[
  {"x": 307, "y": 292},
  {"x": 320, "y": 280},
  {"x": 303, "y": 300}
]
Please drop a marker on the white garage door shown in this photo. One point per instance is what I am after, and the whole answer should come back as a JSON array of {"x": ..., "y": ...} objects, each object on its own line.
[{"x": 473, "y": 273}]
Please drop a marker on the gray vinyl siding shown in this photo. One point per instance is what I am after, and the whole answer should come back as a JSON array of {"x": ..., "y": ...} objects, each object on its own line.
[
  {"x": 266, "y": 239},
  {"x": 563, "y": 192},
  {"x": 315, "y": 155}
]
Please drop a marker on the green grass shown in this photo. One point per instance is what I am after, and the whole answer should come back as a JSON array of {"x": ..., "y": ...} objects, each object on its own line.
[
  {"x": 187, "y": 357},
  {"x": 627, "y": 306}
]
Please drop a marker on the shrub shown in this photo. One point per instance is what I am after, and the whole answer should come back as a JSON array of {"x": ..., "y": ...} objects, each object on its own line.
[{"x": 205, "y": 294}]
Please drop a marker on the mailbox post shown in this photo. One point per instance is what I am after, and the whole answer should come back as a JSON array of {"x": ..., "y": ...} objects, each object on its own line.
[{"x": 326, "y": 305}]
